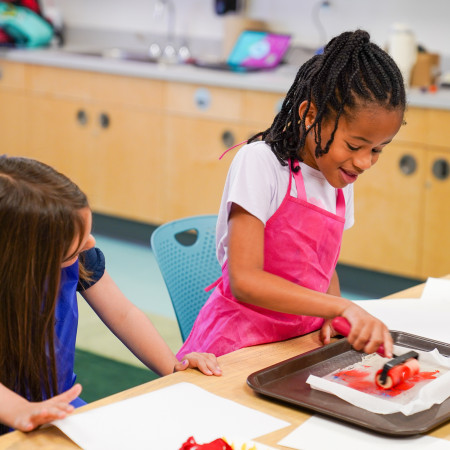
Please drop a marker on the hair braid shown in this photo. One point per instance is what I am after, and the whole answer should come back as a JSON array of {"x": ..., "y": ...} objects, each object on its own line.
[{"x": 350, "y": 72}]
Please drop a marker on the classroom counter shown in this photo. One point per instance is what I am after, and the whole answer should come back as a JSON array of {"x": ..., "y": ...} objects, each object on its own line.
[
  {"x": 277, "y": 81},
  {"x": 232, "y": 384}
]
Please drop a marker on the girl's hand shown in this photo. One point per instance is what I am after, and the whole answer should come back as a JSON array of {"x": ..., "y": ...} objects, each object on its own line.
[
  {"x": 205, "y": 362},
  {"x": 326, "y": 332},
  {"x": 367, "y": 332},
  {"x": 32, "y": 414}
]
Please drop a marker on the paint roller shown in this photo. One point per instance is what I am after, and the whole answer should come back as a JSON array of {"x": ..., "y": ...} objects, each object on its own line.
[{"x": 396, "y": 370}]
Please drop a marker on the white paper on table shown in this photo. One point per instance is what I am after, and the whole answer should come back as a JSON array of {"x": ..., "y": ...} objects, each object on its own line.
[
  {"x": 436, "y": 289},
  {"x": 426, "y": 318},
  {"x": 322, "y": 433},
  {"x": 165, "y": 419},
  {"x": 434, "y": 392}
]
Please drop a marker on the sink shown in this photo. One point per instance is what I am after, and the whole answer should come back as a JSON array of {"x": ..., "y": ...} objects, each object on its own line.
[{"x": 116, "y": 54}]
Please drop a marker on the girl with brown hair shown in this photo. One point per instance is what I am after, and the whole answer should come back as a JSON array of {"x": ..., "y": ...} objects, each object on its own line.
[{"x": 45, "y": 224}]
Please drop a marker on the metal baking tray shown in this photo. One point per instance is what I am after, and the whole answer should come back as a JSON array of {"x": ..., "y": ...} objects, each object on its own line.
[{"x": 286, "y": 381}]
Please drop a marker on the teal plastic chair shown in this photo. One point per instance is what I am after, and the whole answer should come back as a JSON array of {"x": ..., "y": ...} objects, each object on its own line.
[{"x": 185, "y": 251}]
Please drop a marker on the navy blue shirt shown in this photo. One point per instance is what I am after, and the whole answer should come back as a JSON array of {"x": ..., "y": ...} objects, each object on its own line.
[{"x": 93, "y": 261}]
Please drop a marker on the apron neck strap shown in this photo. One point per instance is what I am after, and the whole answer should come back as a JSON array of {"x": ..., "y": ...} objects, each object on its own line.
[
  {"x": 301, "y": 192},
  {"x": 299, "y": 183},
  {"x": 340, "y": 204}
]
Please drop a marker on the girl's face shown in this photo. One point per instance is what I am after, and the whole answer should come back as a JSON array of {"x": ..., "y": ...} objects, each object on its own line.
[
  {"x": 87, "y": 240},
  {"x": 357, "y": 144}
]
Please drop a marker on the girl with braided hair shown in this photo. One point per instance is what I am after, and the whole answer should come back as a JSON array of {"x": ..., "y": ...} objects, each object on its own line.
[{"x": 288, "y": 198}]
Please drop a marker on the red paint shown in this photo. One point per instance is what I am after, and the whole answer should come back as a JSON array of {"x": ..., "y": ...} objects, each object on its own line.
[
  {"x": 426, "y": 375},
  {"x": 354, "y": 373},
  {"x": 359, "y": 380}
]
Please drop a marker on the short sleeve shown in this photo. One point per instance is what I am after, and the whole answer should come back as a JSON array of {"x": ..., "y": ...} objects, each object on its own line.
[
  {"x": 253, "y": 181},
  {"x": 257, "y": 182},
  {"x": 93, "y": 261}
]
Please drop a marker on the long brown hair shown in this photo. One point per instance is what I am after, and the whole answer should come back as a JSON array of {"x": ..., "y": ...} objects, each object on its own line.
[{"x": 39, "y": 221}]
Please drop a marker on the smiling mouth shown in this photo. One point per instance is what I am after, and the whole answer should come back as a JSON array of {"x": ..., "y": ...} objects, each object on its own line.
[{"x": 350, "y": 177}]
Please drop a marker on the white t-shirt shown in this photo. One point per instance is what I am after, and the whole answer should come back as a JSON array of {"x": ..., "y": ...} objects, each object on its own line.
[{"x": 258, "y": 183}]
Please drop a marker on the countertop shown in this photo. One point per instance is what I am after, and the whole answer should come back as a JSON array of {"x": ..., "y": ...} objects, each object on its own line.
[{"x": 277, "y": 81}]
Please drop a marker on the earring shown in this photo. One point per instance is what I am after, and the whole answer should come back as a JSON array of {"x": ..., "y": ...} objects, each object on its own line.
[{"x": 308, "y": 126}]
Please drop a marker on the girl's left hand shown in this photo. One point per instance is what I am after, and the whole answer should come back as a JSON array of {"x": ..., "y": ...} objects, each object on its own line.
[
  {"x": 205, "y": 362},
  {"x": 327, "y": 332},
  {"x": 30, "y": 415}
]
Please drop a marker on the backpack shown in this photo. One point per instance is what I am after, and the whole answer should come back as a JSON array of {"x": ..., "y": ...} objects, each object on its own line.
[{"x": 22, "y": 24}]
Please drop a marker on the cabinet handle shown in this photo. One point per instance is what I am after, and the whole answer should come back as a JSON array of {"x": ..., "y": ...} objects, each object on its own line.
[
  {"x": 104, "y": 120},
  {"x": 82, "y": 117},
  {"x": 228, "y": 138},
  {"x": 441, "y": 169},
  {"x": 202, "y": 98},
  {"x": 408, "y": 164}
]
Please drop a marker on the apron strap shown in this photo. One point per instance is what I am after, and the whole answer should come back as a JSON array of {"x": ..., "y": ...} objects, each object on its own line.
[
  {"x": 340, "y": 204},
  {"x": 231, "y": 148},
  {"x": 301, "y": 192},
  {"x": 213, "y": 285},
  {"x": 299, "y": 183}
]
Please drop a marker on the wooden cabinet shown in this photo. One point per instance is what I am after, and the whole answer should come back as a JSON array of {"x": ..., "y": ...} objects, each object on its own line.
[
  {"x": 202, "y": 122},
  {"x": 388, "y": 208},
  {"x": 103, "y": 131},
  {"x": 436, "y": 215},
  {"x": 401, "y": 204},
  {"x": 13, "y": 107},
  {"x": 148, "y": 150},
  {"x": 141, "y": 149}
]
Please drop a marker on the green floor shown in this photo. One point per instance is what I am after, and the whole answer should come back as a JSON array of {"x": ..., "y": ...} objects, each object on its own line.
[{"x": 101, "y": 376}]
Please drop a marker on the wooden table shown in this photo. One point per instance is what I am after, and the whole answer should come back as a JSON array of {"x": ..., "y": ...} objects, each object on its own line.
[{"x": 232, "y": 384}]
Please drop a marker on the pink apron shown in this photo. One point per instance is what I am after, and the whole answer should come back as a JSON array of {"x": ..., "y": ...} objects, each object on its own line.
[{"x": 301, "y": 244}]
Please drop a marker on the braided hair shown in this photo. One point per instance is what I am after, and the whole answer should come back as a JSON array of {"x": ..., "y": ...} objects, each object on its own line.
[{"x": 352, "y": 71}]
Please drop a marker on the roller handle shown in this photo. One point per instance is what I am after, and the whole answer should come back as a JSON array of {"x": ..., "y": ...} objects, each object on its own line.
[{"x": 343, "y": 327}]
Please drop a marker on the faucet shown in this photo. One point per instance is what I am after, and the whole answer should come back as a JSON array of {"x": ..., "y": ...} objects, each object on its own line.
[{"x": 166, "y": 9}]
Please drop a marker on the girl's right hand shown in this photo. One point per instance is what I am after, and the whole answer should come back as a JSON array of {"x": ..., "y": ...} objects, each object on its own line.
[
  {"x": 205, "y": 362},
  {"x": 30, "y": 415},
  {"x": 367, "y": 332}
]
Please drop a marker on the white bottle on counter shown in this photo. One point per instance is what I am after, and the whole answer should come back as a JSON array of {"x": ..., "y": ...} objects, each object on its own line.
[{"x": 402, "y": 46}]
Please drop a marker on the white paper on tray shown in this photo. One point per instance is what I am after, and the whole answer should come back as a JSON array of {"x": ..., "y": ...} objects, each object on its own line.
[
  {"x": 164, "y": 419},
  {"x": 434, "y": 392}
]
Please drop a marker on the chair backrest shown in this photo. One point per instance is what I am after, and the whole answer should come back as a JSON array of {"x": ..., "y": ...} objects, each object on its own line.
[{"x": 185, "y": 251}]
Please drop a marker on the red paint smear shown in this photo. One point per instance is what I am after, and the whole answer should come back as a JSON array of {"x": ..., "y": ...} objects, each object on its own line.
[
  {"x": 355, "y": 379},
  {"x": 426, "y": 375},
  {"x": 351, "y": 374}
]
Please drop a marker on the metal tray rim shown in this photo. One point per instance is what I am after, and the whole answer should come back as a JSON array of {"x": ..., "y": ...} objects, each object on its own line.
[{"x": 253, "y": 381}]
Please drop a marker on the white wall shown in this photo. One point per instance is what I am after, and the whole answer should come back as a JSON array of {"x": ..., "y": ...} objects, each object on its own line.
[{"x": 196, "y": 18}]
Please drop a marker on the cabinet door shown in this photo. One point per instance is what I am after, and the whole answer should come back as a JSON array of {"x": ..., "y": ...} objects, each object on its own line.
[
  {"x": 13, "y": 122},
  {"x": 436, "y": 240},
  {"x": 59, "y": 135},
  {"x": 195, "y": 175},
  {"x": 389, "y": 202},
  {"x": 131, "y": 172},
  {"x": 13, "y": 108}
]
